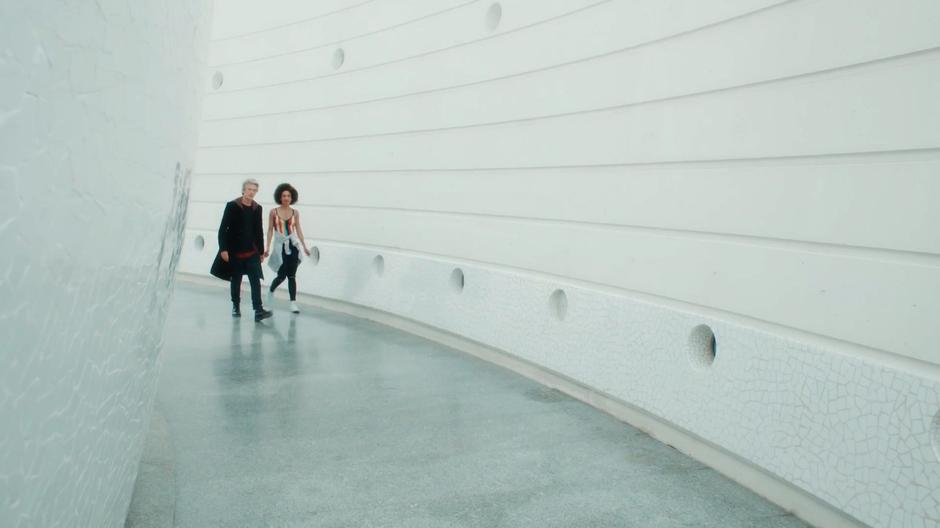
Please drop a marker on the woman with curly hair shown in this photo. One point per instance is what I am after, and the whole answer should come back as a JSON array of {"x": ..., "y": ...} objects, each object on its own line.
[{"x": 285, "y": 233}]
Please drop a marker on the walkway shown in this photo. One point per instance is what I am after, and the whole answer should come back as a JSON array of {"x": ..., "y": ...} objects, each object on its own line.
[{"x": 325, "y": 420}]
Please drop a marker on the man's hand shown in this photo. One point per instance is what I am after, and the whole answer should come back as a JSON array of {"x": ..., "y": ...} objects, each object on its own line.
[{"x": 224, "y": 255}]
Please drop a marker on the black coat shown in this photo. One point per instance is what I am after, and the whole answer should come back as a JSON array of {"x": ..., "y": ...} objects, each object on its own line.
[
  {"x": 237, "y": 234},
  {"x": 220, "y": 268}
]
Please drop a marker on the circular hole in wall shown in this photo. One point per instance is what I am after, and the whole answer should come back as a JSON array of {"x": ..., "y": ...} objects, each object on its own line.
[
  {"x": 217, "y": 79},
  {"x": 339, "y": 57},
  {"x": 378, "y": 263},
  {"x": 703, "y": 347},
  {"x": 935, "y": 435},
  {"x": 199, "y": 242},
  {"x": 493, "y": 15},
  {"x": 457, "y": 280},
  {"x": 558, "y": 303},
  {"x": 315, "y": 255}
]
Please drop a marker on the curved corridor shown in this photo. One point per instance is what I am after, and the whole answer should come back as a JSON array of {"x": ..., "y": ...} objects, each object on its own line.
[
  {"x": 526, "y": 224},
  {"x": 322, "y": 419}
]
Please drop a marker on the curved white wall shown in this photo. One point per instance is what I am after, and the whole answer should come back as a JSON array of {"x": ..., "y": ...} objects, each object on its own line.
[
  {"x": 99, "y": 106},
  {"x": 768, "y": 168}
]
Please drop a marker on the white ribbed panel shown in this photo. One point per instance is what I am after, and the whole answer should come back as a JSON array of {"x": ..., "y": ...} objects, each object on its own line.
[{"x": 769, "y": 168}]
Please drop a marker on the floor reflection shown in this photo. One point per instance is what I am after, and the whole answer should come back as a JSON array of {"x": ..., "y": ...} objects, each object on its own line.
[{"x": 320, "y": 419}]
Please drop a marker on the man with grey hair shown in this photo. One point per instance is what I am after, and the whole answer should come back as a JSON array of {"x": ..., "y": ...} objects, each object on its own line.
[{"x": 241, "y": 239}]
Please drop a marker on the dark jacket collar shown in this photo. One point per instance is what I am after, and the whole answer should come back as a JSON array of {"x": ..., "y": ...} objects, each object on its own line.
[{"x": 238, "y": 201}]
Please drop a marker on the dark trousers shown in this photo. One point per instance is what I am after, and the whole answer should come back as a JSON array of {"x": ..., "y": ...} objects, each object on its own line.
[
  {"x": 288, "y": 270},
  {"x": 251, "y": 267}
]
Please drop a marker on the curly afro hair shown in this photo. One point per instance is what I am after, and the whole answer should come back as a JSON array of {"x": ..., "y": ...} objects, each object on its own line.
[{"x": 285, "y": 187}]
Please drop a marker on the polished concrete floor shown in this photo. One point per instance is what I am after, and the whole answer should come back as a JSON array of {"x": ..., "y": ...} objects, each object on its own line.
[{"x": 324, "y": 420}]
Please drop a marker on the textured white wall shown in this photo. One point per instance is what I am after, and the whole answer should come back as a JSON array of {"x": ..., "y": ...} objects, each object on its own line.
[
  {"x": 765, "y": 167},
  {"x": 99, "y": 106}
]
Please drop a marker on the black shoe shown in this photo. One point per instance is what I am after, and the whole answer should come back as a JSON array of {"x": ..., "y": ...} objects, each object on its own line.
[
  {"x": 262, "y": 314},
  {"x": 236, "y": 311}
]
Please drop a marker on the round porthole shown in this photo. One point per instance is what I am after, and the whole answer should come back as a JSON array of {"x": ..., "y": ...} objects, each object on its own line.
[
  {"x": 378, "y": 264},
  {"x": 339, "y": 57},
  {"x": 217, "y": 80},
  {"x": 315, "y": 255},
  {"x": 457, "y": 280},
  {"x": 493, "y": 15},
  {"x": 199, "y": 243},
  {"x": 558, "y": 303},
  {"x": 703, "y": 346}
]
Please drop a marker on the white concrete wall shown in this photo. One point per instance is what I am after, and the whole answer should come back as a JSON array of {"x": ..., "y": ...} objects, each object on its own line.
[
  {"x": 99, "y": 106},
  {"x": 768, "y": 168}
]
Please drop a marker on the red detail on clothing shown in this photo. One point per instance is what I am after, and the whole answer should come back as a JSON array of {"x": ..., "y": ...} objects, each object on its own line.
[{"x": 246, "y": 254}]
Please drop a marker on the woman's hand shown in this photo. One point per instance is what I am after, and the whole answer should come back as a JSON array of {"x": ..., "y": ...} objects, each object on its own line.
[
  {"x": 307, "y": 251},
  {"x": 224, "y": 255}
]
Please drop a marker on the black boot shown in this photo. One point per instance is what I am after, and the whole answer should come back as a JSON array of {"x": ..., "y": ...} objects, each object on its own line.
[
  {"x": 236, "y": 311},
  {"x": 262, "y": 314}
]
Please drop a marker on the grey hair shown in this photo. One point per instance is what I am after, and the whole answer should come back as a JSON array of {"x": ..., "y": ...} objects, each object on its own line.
[{"x": 251, "y": 181}]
